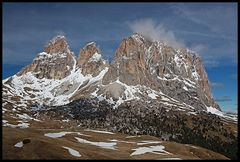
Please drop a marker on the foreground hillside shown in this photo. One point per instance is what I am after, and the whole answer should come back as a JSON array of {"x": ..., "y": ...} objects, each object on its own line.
[
  {"x": 150, "y": 90},
  {"x": 40, "y": 143},
  {"x": 28, "y": 135}
]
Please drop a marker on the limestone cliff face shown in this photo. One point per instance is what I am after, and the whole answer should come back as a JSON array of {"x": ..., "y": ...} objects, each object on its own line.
[
  {"x": 141, "y": 69},
  {"x": 87, "y": 52},
  {"x": 56, "y": 62},
  {"x": 57, "y": 45},
  {"x": 128, "y": 64},
  {"x": 90, "y": 59},
  {"x": 179, "y": 73}
]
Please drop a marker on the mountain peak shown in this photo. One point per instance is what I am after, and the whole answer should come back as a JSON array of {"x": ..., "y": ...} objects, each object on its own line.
[
  {"x": 57, "y": 38},
  {"x": 56, "y": 62},
  {"x": 57, "y": 44},
  {"x": 90, "y": 44},
  {"x": 90, "y": 50},
  {"x": 137, "y": 35},
  {"x": 137, "y": 61}
]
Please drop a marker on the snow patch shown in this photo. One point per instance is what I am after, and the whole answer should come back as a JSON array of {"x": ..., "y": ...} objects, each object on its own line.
[
  {"x": 194, "y": 147},
  {"x": 114, "y": 140},
  {"x": 61, "y": 134},
  {"x": 195, "y": 75},
  {"x": 26, "y": 117},
  {"x": 129, "y": 93},
  {"x": 106, "y": 145},
  {"x": 97, "y": 131},
  {"x": 45, "y": 89},
  {"x": 95, "y": 58},
  {"x": 189, "y": 83},
  {"x": 19, "y": 144},
  {"x": 72, "y": 151},
  {"x": 163, "y": 98},
  {"x": 4, "y": 121},
  {"x": 213, "y": 110},
  {"x": 21, "y": 125},
  {"x": 43, "y": 56},
  {"x": 56, "y": 135},
  {"x": 152, "y": 95},
  {"x": 151, "y": 149},
  {"x": 132, "y": 136},
  {"x": 55, "y": 39},
  {"x": 194, "y": 113},
  {"x": 67, "y": 120},
  {"x": 90, "y": 43},
  {"x": 177, "y": 60},
  {"x": 94, "y": 94},
  {"x": 185, "y": 88}
]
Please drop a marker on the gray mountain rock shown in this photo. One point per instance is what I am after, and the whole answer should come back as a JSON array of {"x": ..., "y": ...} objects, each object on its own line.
[
  {"x": 152, "y": 72},
  {"x": 56, "y": 62},
  {"x": 178, "y": 73}
]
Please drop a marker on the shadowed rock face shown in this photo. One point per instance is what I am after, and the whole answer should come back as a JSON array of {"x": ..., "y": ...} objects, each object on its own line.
[{"x": 56, "y": 62}]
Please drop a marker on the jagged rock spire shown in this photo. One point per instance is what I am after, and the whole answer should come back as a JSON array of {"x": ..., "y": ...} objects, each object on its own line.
[
  {"x": 87, "y": 52},
  {"x": 138, "y": 61},
  {"x": 90, "y": 59},
  {"x": 57, "y": 45},
  {"x": 56, "y": 62}
]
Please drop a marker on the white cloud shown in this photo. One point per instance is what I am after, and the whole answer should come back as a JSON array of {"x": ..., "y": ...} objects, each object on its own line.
[
  {"x": 199, "y": 48},
  {"x": 155, "y": 31}
]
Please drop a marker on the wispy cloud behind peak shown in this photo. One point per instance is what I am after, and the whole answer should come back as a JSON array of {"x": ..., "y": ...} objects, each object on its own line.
[{"x": 155, "y": 31}]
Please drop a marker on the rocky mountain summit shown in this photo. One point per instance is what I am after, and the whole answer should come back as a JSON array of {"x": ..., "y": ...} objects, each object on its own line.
[
  {"x": 55, "y": 62},
  {"x": 90, "y": 59},
  {"x": 141, "y": 69},
  {"x": 149, "y": 88},
  {"x": 177, "y": 73}
]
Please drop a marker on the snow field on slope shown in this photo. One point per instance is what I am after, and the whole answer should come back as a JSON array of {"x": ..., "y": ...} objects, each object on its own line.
[
  {"x": 72, "y": 151},
  {"x": 44, "y": 87},
  {"x": 150, "y": 149}
]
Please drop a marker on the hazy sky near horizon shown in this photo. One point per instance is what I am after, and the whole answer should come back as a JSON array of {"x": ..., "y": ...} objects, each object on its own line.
[{"x": 208, "y": 28}]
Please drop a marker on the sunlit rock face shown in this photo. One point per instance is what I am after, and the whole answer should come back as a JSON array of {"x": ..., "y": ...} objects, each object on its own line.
[
  {"x": 141, "y": 69},
  {"x": 56, "y": 62}
]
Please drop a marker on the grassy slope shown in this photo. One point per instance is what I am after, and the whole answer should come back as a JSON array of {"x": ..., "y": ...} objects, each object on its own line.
[{"x": 42, "y": 147}]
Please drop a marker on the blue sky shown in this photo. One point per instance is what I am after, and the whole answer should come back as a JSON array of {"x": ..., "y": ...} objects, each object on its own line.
[{"x": 208, "y": 28}]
